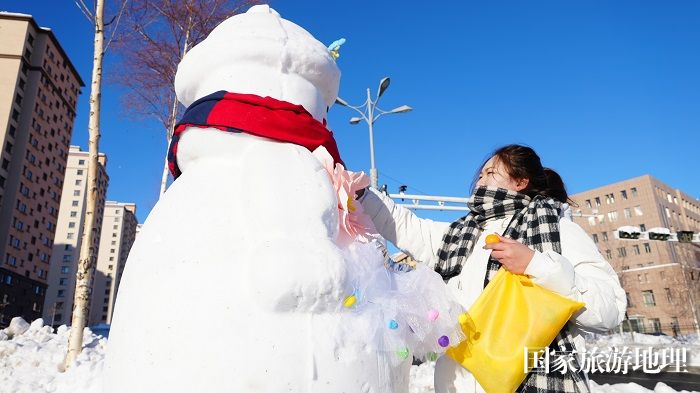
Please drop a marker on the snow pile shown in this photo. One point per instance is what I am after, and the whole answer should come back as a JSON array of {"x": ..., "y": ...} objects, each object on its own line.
[{"x": 31, "y": 359}]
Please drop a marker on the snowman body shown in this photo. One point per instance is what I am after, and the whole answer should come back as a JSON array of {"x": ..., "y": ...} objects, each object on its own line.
[{"x": 236, "y": 281}]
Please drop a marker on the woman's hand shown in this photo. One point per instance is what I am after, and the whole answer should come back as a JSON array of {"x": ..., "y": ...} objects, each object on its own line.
[{"x": 514, "y": 256}]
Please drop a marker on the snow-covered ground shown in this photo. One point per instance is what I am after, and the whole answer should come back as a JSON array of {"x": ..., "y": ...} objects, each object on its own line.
[{"x": 31, "y": 356}]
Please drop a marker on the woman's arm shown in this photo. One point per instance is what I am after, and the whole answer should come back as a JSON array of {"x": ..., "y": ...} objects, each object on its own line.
[
  {"x": 582, "y": 274},
  {"x": 418, "y": 237}
]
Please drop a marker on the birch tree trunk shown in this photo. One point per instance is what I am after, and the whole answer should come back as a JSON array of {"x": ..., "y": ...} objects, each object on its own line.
[
  {"x": 168, "y": 137},
  {"x": 173, "y": 112},
  {"x": 86, "y": 264}
]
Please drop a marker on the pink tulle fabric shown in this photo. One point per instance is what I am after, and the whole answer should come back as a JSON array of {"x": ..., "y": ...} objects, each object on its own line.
[{"x": 353, "y": 223}]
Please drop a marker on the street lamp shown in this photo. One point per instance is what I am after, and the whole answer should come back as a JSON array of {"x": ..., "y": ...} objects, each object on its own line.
[{"x": 367, "y": 113}]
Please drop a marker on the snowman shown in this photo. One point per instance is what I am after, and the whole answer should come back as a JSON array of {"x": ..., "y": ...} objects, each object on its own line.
[{"x": 256, "y": 271}]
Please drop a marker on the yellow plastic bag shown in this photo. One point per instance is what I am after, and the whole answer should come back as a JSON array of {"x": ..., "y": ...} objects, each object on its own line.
[{"x": 510, "y": 314}]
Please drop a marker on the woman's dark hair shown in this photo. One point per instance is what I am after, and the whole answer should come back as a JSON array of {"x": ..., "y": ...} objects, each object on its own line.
[{"x": 521, "y": 162}]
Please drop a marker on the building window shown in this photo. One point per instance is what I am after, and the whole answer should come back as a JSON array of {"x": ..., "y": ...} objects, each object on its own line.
[
  {"x": 76, "y": 192},
  {"x": 628, "y": 212},
  {"x": 648, "y": 297},
  {"x": 588, "y": 203},
  {"x": 605, "y": 236},
  {"x": 643, "y": 227},
  {"x": 78, "y": 182},
  {"x": 623, "y": 193},
  {"x": 654, "y": 325},
  {"x": 65, "y": 269},
  {"x": 61, "y": 293},
  {"x": 634, "y": 191},
  {"x": 71, "y": 225},
  {"x": 591, "y": 221},
  {"x": 80, "y": 171},
  {"x": 621, "y": 252},
  {"x": 608, "y": 254},
  {"x": 81, "y": 162},
  {"x": 595, "y": 238},
  {"x": 629, "y": 300},
  {"x": 647, "y": 248},
  {"x": 74, "y": 214},
  {"x": 597, "y": 201},
  {"x": 612, "y": 216},
  {"x": 609, "y": 198},
  {"x": 70, "y": 235},
  {"x": 635, "y": 248},
  {"x": 638, "y": 211},
  {"x": 75, "y": 203},
  {"x": 669, "y": 295},
  {"x": 63, "y": 281}
]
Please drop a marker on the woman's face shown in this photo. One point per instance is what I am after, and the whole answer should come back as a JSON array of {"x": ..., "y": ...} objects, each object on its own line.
[{"x": 494, "y": 174}]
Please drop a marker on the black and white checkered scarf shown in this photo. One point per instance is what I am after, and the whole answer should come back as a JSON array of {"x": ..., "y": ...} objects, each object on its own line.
[{"x": 535, "y": 223}]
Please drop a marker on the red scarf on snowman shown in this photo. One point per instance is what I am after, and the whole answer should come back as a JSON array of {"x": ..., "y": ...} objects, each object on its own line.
[{"x": 260, "y": 116}]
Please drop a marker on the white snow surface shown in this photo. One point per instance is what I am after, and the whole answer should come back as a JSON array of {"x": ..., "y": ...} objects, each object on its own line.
[
  {"x": 259, "y": 52},
  {"x": 31, "y": 362},
  {"x": 248, "y": 238}
]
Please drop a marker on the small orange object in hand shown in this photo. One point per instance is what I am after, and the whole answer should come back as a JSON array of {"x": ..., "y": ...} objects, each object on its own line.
[{"x": 492, "y": 238}]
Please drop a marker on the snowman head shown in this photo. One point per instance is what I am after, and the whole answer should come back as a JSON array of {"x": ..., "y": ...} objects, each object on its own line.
[{"x": 260, "y": 53}]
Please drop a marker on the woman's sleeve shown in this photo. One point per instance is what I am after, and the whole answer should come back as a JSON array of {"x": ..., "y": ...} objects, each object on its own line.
[
  {"x": 581, "y": 273},
  {"x": 420, "y": 238}
]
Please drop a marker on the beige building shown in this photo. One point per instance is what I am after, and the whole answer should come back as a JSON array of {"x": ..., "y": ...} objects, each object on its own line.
[
  {"x": 661, "y": 278},
  {"x": 118, "y": 234},
  {"x": 39, "y": 87},
  {"x": 58, "y": 306}
]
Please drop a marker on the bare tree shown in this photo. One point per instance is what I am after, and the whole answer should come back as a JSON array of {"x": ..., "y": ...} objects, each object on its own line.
[
  {"x": 88, "y": 253},
  {"x": 156, "y": 37}
]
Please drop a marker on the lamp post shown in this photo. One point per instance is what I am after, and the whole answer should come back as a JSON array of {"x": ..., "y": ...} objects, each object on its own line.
[{"x": 369, "y": 112}]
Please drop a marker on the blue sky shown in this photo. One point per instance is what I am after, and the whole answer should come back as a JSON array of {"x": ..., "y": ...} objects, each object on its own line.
[{"x": 604, "y": 91}]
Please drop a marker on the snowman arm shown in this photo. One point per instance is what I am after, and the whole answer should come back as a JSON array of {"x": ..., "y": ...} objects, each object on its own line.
[{"x": 420, "y": 238}]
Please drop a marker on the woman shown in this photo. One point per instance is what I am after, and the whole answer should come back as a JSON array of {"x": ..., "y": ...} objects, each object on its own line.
[{"x": 525, "y": 204}]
